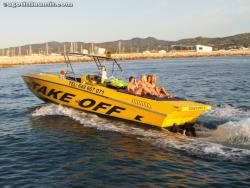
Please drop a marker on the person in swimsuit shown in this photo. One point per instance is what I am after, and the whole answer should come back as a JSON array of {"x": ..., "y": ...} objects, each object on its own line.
[
  {"x": 161, "y": 91},
  {"x": 132, "y": 85},
  {"x": 143, "y": 88},
  {"x": 151, "y": 87}
]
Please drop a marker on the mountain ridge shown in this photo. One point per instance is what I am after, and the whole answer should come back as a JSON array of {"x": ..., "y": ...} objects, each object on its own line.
[{"x": 138, "y": 44}]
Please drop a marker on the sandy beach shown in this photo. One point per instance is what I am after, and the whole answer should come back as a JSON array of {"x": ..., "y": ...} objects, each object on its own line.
[{"x": 6, "y": 61}]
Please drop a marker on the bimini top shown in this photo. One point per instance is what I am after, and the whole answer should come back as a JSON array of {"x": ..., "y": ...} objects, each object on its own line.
[
  {"x": 97, "y": 59},
  {"x": 88, "y": 55}
]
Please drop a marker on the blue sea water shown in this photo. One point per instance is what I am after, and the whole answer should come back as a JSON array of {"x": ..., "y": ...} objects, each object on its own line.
[{"x": 46, "y": 145}]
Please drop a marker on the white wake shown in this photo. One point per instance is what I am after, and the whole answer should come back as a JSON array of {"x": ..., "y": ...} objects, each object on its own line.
[
  {"x": 165, "y": 139},
  {"x": 235, "y": 130},
  {"x": 227, "y": 112}
]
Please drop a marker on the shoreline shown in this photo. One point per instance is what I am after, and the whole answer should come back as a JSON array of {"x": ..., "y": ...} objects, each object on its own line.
[{"x": 8, "y": 62}]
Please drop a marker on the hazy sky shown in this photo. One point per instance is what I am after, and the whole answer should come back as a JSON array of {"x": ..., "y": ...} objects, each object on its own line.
[{"x": 106, "y": 20}]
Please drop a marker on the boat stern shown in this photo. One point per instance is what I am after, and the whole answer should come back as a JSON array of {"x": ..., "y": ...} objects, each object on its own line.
[{"x": 187, "y": 112}]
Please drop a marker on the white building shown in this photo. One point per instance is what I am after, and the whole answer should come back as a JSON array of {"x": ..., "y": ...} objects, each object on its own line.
[
  {"x": 98, "y": 50},
  {"x": 202, "y": 48},
  {"x": 162, "y": 51},
  {"x": 85, "y": 51},
  {"x": 146, "y": 52}
]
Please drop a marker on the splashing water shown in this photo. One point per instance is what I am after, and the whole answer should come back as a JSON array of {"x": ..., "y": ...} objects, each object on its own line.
[
  {"x": 236, "y": 127},
  {"x": 233, "y": 132},
  {"x": 163, "y": 139},
  {"x": 226, "y": 112}
]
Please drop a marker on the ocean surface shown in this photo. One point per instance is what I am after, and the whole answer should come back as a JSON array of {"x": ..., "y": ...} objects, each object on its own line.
[{"x": 46, "y": 145}]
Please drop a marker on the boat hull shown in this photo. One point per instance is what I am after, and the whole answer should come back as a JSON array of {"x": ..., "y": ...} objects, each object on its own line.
[{"x": 110, "y": 102}]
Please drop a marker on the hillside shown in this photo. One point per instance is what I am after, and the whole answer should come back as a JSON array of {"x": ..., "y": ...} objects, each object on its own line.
[{"x": 137, "y": 45}]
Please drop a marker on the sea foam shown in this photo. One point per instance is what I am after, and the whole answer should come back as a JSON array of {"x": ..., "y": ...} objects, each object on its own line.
[{"x": 165, "y": 139}]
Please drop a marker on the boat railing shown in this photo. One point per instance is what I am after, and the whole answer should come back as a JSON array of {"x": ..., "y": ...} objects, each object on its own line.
[{"x": 70, "y": 69}]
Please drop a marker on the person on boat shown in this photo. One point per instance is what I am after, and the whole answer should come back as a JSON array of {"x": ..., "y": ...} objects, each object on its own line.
[
  {"x": 132, "y": 85},
  {"x": 143, "y": 88},
  {"x": 103, "y": 74},
  {"x": 161, "y": 91},
  {"x": 151, "y": 87}
]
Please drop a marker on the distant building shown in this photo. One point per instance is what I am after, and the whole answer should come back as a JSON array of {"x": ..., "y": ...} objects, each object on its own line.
[
  {"x": 202, "y": 48},
  {"x": 98, "y": 50},
  {"x": 54, "y": 54},
  {"x": 85, "y": 51},
  {"x": 162, "y": 51},
  {"x": 146, "y": 52},
  {"x": 181, "y": 47},
  {"x": 153, "y": 51},
  {"x": 243, "y": 48}
]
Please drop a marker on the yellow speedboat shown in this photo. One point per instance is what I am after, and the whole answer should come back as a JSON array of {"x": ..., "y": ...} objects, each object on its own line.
[{"x": 90, "y": 93}]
